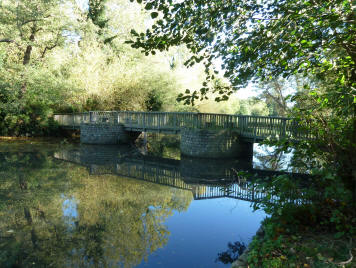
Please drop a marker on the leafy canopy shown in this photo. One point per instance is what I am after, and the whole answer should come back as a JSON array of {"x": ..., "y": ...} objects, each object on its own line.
[{"x": 258, "y": 39}]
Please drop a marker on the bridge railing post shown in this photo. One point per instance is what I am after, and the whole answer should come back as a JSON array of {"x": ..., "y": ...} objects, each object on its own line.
[
  {"x": 283, "y": 134},
  {"x": 175, "y": 121},
  {"x": 116, "y": 117}
]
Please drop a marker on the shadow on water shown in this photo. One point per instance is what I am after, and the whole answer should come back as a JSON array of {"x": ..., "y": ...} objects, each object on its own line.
[{"x": 233, "y": 252}]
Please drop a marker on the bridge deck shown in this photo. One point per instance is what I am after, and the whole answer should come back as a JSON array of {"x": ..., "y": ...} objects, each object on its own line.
[{"x": 249, "y": 127}]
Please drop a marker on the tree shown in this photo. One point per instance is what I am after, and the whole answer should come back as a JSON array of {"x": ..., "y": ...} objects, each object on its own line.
[
  {"x": 33, "y": 28},
  {"x": 30, "y": 31},
  {"x": 259, "y": 41},
  {"x": 60, "y": 56},
  {"x": 275, "y": 95},
  {"x": 256, "y": 40}
]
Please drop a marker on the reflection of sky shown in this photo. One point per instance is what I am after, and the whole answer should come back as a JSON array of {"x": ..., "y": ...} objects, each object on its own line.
[
  {"x": 203, "y": 231},
  {"x": 69, "y": 208},
  {"x": 265, "y": 150}
]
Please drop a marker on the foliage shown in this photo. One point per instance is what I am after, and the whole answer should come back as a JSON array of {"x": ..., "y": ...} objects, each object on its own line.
[
  {"x": 284, "y": 247},
  {"x": 60, "y": 56},
  {"x": 165, "y": 146},
  {"x": 96, "y": 13},
  {"x": 305, "y": 217},
  {"x": 257, "y": 40},
  {"x": 276, "y": 94}
]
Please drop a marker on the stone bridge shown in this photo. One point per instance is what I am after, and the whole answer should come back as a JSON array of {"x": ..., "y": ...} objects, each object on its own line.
[
  {"x": 204, "y": 178},
  {"x": 202, "y": 135}
]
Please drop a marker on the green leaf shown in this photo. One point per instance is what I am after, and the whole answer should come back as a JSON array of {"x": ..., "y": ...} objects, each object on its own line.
[
  {"x": 154, "y": 15},
  {"x": 133, "y": 32},
  {"x": 149, "y": 6}
]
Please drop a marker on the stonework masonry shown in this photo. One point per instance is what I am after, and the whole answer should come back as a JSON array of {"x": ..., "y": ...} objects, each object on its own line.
[
  {"x": 214, "y": 144},
  {"x": 103, "y": 133},
  {"x": 200, "y": 143}
]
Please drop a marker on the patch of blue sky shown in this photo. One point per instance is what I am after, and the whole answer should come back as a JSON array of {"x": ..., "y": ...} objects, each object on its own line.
[
  {"x": 82, "y": 4},
  {"x": 70, "y": 211}
]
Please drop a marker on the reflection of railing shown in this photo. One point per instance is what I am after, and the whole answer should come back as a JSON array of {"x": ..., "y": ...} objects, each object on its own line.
[
  {"x": 252, "y": 127},
  {"x": 169, "y": 174},
  {"x": 233, "y": 190}
]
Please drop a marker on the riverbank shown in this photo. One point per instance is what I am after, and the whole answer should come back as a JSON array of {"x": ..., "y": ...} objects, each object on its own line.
[
  {"x": 278, "y": 246},
  {"x": 10, "y": 144},
  {"x": 50, "y": 139}
]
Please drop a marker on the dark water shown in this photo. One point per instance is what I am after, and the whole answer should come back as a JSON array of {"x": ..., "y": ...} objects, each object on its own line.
[{"x": 109, "y": 206}]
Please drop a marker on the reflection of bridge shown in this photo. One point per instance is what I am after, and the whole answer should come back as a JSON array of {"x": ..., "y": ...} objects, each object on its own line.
[
  {"x": 202, "y": 135},
  {"x": 204, "y": 178}
]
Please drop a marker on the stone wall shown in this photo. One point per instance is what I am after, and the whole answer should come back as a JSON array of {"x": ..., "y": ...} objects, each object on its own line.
[
  {"x": 103, "y": 133},
  {"x": 214, "y": 144}
]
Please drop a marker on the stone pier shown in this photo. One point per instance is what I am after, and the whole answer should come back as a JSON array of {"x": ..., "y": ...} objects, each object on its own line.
[
  {"x": 102, "y": 133},
  {"x": 201, "y": 143},
  {"x": 205, "y": 143}
]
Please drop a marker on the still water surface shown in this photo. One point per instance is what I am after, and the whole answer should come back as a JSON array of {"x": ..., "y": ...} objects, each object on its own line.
[{"x": 108, "y": 206}]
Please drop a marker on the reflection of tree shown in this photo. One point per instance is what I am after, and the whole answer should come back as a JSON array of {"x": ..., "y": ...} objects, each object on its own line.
[
  {"x": 161, "y": 145},
  {"x": 272, "y": 161},
  {"x": 130, "y": 213},
  {"x": 274, "y": 158},
  {"x": 117, "y": 221},
  {"x": 232, "y": 254},
  {"x": 29, "y": 180}
]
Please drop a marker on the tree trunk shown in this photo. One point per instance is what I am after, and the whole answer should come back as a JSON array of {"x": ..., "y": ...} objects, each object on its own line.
[
  {"x": 27, "y": 58},
  {"x": 27, "y": 55}
]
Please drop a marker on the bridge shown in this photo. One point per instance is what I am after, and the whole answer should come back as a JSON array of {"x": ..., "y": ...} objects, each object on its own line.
[
  {"x": 206, "y": 180},
  {"x": 202, "y": 134}
]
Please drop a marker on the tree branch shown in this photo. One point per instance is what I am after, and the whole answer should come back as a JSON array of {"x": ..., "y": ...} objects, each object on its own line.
[
  {"x": 278, "y": 101},
  {"x": 9, "y": 41},
  {"x": 47, "y": 48},
  {"x": 34, "y": 20}
]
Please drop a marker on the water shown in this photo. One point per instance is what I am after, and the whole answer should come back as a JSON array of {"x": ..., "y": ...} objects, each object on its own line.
[{"x": 108, "y": 206}]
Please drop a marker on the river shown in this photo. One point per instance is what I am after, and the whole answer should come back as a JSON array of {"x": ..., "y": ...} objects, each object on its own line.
[{"x": 72, "y": 205}]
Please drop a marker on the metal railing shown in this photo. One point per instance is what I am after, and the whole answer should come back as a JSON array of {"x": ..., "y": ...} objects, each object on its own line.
[
  {"x": 252, "y": 127},
  {"x": 71, "y": 120}
]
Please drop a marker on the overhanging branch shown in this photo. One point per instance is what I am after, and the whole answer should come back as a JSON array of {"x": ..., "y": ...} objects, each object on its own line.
[{"x": 5, "y": 40}]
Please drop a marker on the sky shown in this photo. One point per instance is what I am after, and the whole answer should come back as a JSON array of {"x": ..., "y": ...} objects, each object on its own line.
[{"x": 83, "y": 4}]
